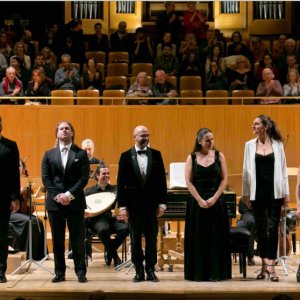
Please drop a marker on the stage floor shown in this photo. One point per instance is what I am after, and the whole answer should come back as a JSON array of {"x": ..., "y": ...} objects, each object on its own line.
[{"x": 36, "y": 284}]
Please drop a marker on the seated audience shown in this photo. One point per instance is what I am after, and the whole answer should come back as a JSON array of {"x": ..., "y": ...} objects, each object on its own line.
[
  {"x": 291, "y": 63},
  {"x": 142, "y": 47},
  {"x": 189, "y": 56},
  {"x": 215, "y": 78},
  {"x": 3, "y": 65},
  {"x": 292, "y": 88},
  {"x": 167, "y": 61},
  {"x": 216, "y": 56},
  {"x": 240, "y": 78},
  {"x": 140, "y": 88},
  {"x": 67, "y": 76},
  {"x": 166, "y": 39},
  {"x": 21, "y": 72},
  {"x": 98, "y": 41},
  {"x": 11, "y": 86},
  {"x": 49, "y": 58},
  {"x": 38, "y": 87},
  {"x": 92, "y": 77},
  {"x": 30, "y": 48},
  {"x": 247, "y": 221},
  {"x": 105, "y": 224},
  {"x": 5, "y": 47},
  {"x": 19, "y": 51},
  {"x": 269, "y": 87},
  {"x": 163, "y": 88},
  {"x": 290, "y": 48},
  {"x": 258, "y": 50}
]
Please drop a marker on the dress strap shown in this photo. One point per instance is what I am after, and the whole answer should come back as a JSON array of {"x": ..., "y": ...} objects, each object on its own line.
[{"x": 217, "y": 156}]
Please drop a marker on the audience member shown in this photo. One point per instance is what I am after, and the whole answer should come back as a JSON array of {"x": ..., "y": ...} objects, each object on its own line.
[
  {"x": 216, "y": 56},
  {"x": 163, "y": 88},
  {"x": 189, "y": 56},
  {"x": 67, "y": 76},
  {"x": 258, "y": 50},
  {"x": 291, "y": 63},
  {"x": 211, "y": 43},
  {"x": 142, "y": 47},
  {"x": 38, "y": 87},
  {"x": 3, "y": 65},
  {"x": 105, "y": 224},
  {"x": 92, "y": 77},
  {"x": 21, "y": 72},
  {"x": 167, "y": 61},
  {"x": 19, "y": 51},
  {"x": 5, "y": 47},
  {"x": 50, "y": 58},
  {"x": 120, "y": 40},
  {"x": 166, "y": 39},
  {"x": 140, "y": 88},
  {"x": 11, "y": 86},
  {"x": 247, "y": 221},
  {"x": 30, "y": 48},
  {"x": 289, "y": 49},
  {"x": 195, "y": 22},
  {"x": 215, "y": 78},
  {"x": 98, "y": 41},
  {"x": 292, "y": 88},
  {"x": 168, "y": 20},
  {"x": 241, "y": 78},
  {"x": 237, "y": 47},
  {"x": 269, "y": 87},
  {"x": 50, "y": 37}
]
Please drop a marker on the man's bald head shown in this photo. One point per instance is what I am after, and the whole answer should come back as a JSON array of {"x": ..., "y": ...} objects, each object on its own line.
[{"x": 141, "y": 136}]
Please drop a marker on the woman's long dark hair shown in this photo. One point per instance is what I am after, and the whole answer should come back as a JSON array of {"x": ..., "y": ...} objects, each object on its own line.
[
  {"x": 200, "y": 134},
  {"x": 272, "y": 130}
]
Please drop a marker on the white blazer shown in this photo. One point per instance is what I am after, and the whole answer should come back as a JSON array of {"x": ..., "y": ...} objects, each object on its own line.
[{"x": 281, "y": 184}]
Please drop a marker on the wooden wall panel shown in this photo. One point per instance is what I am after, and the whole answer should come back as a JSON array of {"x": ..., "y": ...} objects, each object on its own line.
[{"x": 173, "y": 130}]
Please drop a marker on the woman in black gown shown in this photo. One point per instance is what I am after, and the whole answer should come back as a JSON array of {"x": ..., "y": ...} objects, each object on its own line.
[{"x": 206, "y": 243}]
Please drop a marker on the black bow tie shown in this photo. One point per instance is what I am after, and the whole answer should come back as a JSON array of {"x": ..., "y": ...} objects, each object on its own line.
[{"x": 141, "y": 152}]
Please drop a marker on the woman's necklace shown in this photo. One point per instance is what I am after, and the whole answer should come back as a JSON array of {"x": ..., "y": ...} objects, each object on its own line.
[{"x": 205, "y": 159}]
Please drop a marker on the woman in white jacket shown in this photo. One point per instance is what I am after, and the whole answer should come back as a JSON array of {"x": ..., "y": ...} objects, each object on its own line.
[{"x": 265, "y": 188}]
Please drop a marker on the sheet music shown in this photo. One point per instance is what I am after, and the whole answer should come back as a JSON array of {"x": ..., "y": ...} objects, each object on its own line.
[{"x": 177, "y": 177}]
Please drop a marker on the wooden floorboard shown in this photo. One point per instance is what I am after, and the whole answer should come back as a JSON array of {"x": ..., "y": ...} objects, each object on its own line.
[{"x": 118, "y": 285}]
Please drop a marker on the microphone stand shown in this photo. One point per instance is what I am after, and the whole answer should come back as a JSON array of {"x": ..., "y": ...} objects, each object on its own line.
[
  {"x": 30, "y": 260},
  {"x": 283, "y": 259}
]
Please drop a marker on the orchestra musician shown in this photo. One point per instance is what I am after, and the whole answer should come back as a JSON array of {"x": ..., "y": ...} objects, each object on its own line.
[
  {"x": 19, "y": 221},
  {"x": 9, "y": 194},
  {"x": 105, "y": 224},
  {"x": 65, "y": 173},
  {"x": 88, "y": 146}
]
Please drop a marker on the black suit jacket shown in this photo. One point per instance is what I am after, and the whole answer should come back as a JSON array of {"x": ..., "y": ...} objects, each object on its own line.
[
  {"x": 135, "y": 193},
  {"x": 9, "y": 172},
  {"x": 73, "y": 178}
]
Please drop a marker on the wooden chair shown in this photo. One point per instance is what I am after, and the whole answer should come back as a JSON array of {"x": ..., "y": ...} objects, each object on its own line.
[
  {"x": 92, "y": 94},
  {"x": 118, "y": 56},
  {"x": 117, "y": 69},
  {"x": 211, "y": 96},
  {"x": 172, "y": 79},
  {"x": 136, "y": 68},
  {"x": 190, "y": 83},
  {"x": 62, "y": 100},
  {"x": 241, "y": 94},
  {"x": 133, "y": 78},
  {"x": 115, "y": 81},
  {"x": 191, "y": 93},
  {"x": 112, "y": 94},
  {"x": 99, "y": 56}
]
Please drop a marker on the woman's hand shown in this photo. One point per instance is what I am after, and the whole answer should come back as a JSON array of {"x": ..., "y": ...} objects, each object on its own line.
[
  {"x": 202, "y": 203},
  {"x": 211, "y": 201}
]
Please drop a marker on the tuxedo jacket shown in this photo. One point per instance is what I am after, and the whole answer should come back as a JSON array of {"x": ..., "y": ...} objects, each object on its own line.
[
  {"x": 73, "y": 178},
  {"x": 134, "y": 192},
  {"x": 9, "y": 172}
]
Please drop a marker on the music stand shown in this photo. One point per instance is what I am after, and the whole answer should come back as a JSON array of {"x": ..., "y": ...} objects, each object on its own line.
[
  {"x": 283, "y": 259},
  {"x": 30, "y": 260}
]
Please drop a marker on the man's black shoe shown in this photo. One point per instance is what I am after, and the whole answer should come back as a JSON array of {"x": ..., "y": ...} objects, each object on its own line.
[
  {"x": 139, "y": 277},
  {"x": 3, "y": 278},
  {"x": 58, "y": 278},
  {"x": 108, "y": 258},
  {"x": 251, "y": 261},
  {"x": 82, "y": 278},
  {"x": 152, "y": 277}
]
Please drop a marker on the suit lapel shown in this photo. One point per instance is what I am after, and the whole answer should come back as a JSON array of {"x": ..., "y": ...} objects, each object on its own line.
[
  {"x": 57, "y": 158},
  {"x": 136, "y": 164},
  {"x": 149, "y": 165},
  {"x": 71, "y": 158}
]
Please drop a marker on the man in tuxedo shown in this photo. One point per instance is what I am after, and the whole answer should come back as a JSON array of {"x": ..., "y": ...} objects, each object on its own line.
[
  {"x": 142, "y": 196},
  {"x": 65, "y": 173},
  {"x": 9, "y": 194}
]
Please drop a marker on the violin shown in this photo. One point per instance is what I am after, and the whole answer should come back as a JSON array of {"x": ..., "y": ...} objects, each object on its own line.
[
  {"x": 284, "y": 238},
  {"x": 25, "y": 191}
]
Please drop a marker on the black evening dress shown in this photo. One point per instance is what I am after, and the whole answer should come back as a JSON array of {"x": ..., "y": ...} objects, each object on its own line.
[{"x": 207, "y": 242}]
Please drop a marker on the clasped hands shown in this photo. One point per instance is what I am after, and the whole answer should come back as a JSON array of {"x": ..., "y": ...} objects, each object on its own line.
[
  {"x": 62, "y": 199},
  {"x": 207, "y": 203}
]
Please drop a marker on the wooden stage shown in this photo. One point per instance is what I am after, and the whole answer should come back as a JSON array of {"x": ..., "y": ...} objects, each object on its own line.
[{"x": 118, "y": 285}]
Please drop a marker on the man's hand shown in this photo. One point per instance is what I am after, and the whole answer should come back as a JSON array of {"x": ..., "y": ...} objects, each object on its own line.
[
  {"x": 160, "y": 211},
  {"x": 124, "y": 214}
]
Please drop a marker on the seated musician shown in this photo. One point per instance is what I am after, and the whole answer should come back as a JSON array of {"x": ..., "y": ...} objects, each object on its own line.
[
  {"x": 88, "y": 146},
  {"x": 247, "y": 221},
  {"x": 105, "y": 224},
  {"x": 19, "y": 222}
]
